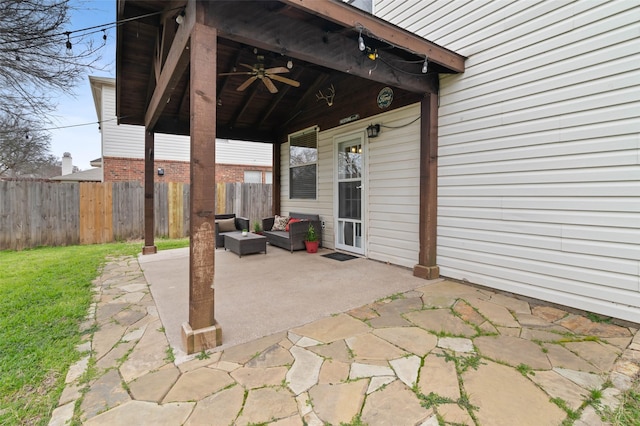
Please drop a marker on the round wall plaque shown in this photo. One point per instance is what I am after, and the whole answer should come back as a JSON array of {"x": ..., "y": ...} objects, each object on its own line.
[{"x": 385, "y": 97}]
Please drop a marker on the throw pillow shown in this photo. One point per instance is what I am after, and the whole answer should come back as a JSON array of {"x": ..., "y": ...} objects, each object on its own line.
[
  {"x": 292, "y": 220},
  {"x": 280, "y": 223},
  {"x": 226, "y": 225}
]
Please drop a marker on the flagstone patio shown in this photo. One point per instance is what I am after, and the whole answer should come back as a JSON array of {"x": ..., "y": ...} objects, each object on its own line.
[{"x": 435, "y": 351}]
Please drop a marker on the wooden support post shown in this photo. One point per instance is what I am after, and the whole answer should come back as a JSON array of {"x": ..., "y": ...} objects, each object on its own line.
[
  {"x": 202, "y": 332},
  {"x": 275, "y": 187},
  {"x": 149, "y": 225},
  {"x": 427, "y": 267}
]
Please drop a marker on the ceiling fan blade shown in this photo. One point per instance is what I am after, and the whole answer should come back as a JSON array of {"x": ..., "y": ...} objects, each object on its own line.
[
  {"x": 251, "y": 67},
  {"x": 236, "y": 73},
  {"x": 285, "y": 80},
  {"x": 267, "y": 82},
  {"x": 276, "y": 70},
  {"x": 246, "y": 83}
]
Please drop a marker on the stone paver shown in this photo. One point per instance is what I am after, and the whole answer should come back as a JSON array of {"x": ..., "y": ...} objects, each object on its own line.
[
  {"x": 220, "y": 409},
  {"x": 410, "y": 339},
  {"x": 105, "y": 392},
  {"x": 504, "y": 397},
  {"x": 257, "y": 377},
  {"x": 557, "y": 386},
  {"x": 267, "y": 404},
  {"x": 441, "y": 321},
  {"x": 155, "y": 385},
  {"x": 305, "y": 370},
  {"x": 497, "y": 314},
  {"x": 446, "y": 336},
  {"x": 599, "y": 354},
  {"x": 454, "y": 414},
  {"x": 439, "y": 376},
  {"x": 333, "y": 372},
  {"x": 338, "y": 403},
  {"x": 141, "y": 412},
  {"x": 456, "y": 344},
  {"x": 395, "y": 404},
  {"x": 406, "y": 369},
  {"x": 514, "y": 351},
  {"x": 334, "y": 328},
  {"x": 370, "y": 347},
  {"x": 560, "y": 356},
  {"x": 198, "y": 384}
]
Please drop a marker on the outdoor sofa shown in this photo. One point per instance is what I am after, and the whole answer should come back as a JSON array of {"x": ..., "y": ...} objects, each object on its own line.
[
  {"x": 293, "y": 238},
  {"x": 228, "y": 222}
]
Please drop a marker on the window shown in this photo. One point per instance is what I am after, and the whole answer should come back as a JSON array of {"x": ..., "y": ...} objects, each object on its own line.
[
  {"x": 268, "y": 177},
  {"x": 303, "y": 159},
  {"x": 252, "y": 176}
]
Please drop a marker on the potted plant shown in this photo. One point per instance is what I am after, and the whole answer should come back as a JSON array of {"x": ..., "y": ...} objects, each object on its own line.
[
  {"x": 244, "y": 232},
  {"x": 311, "y": 240},
  {"x": 257, "y": 228}
]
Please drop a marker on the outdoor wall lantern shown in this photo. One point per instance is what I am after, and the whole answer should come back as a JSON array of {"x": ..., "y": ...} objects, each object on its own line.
[
  {"x": 373, "y": 130},
  {"x": 160, "y": 171}
]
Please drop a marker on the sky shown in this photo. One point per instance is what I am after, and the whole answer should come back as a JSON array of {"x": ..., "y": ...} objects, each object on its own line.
[{"x": 83, "y": 142}]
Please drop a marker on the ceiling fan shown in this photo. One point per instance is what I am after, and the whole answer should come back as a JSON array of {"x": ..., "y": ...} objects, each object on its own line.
[{"x": 258, "y": 72}]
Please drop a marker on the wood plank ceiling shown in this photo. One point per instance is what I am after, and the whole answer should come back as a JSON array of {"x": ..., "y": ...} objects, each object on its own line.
[{"x": 318, "y": 40}]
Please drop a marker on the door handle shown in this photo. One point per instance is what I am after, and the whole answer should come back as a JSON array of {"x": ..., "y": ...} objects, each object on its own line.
[{"x": 359, "y": 187}]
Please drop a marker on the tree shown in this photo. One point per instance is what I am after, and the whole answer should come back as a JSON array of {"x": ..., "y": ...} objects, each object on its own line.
[
  {"x": 24, "y": 149},
  {"x": 39, "y": 56}
]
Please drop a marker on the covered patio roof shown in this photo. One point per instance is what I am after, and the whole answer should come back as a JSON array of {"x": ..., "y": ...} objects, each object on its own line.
[
  {"x": 318, "y": 39},
  {"x": 260, "y": 70}
]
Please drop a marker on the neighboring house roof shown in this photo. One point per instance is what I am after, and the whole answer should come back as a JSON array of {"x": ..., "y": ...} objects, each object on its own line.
[{"x": 91, "y": 175}]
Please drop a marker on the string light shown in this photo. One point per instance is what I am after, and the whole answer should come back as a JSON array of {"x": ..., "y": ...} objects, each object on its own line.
[
  {"x": 361, "y": 44},
  {"x": 373, "y": 53},
  {"x": 69, "y": 34},
  {"x": 180, "y": 17},
  {"x": 69, "y": 45}
]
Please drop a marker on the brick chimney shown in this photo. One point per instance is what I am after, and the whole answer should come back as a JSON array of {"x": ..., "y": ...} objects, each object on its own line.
[{"x": 67, "y": 164}]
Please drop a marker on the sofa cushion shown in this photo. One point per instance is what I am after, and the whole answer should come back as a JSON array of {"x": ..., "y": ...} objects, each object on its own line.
[
  {"x": 226, "y": 225},
  {"x": 280, "y": 223},
  {"x": 292, "y": 220}
]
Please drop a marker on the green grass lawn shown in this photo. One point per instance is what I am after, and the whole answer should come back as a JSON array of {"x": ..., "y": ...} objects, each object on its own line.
[{"x": 44, "y": 295}]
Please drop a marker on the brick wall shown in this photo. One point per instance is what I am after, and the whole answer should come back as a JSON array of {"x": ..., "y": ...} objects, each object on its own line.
[
  {"x": 131, "y": 169},
  {"x": 232, "y": 173}
]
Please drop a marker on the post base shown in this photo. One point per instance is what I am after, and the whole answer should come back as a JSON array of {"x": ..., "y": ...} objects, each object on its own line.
[
  {"x": 201, "y": 339},
  {"x": 149, "y": 250},
  {"x": 426, "y": 272}
]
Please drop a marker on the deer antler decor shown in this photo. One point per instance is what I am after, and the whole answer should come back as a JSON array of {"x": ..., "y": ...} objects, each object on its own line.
[{"x": 328, "y": 98}]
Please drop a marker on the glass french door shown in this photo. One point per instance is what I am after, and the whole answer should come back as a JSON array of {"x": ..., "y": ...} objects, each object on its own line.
[{"x": 350, "y": 225}]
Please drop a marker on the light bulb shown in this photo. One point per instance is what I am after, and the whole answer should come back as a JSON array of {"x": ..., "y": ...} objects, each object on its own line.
[
  {"x": 425, "y": 66},
  {"x": 361, "y": 44}
]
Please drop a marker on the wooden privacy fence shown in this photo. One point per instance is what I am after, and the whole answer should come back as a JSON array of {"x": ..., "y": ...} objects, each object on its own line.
[{"x": 36, "y": 214}]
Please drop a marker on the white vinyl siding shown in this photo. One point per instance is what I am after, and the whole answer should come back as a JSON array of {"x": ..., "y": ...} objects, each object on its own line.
[
  {"x": 126, "y": 141},
  {"x": 394, "y": 188},
  {"x": 539, "y": 147},
  {"x": 391, "y": 185}
]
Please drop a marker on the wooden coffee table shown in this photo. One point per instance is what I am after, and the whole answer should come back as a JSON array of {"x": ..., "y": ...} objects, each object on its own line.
[{"x": 248, "y": 244}]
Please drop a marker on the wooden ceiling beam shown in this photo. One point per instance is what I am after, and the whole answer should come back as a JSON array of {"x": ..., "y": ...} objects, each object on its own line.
[
  {"x": 349, "y": 16},
  {"x": 255, "y": 26},
  {"x": 174, "y": 67}
]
